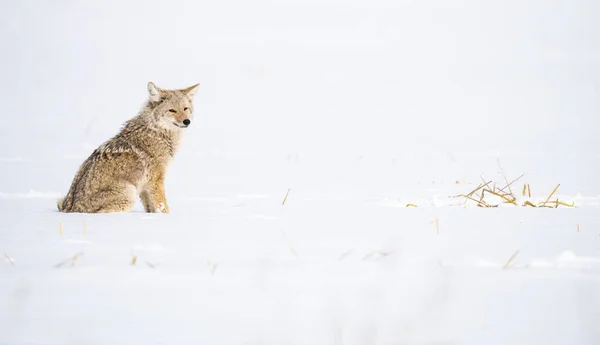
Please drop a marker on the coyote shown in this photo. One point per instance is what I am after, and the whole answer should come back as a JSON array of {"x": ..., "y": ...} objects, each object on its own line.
[{"x": 133, "y": 163}]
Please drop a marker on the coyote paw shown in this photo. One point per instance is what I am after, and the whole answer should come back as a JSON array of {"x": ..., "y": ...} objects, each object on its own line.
[{"x": 161, "y": 208}]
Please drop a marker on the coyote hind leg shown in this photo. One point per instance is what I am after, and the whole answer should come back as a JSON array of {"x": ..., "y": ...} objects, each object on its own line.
[
  {"x": 146, "y": 201},
  {"x": 116, "y": 205},
  {"x": 121, "y": 200}
]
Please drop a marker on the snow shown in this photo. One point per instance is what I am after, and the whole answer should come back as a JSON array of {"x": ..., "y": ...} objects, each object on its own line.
[{"x": 358, "y": 108}]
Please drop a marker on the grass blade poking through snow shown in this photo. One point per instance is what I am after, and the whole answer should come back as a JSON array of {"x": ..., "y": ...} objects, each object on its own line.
[
  {"x": 72, "y": 260},
  {"x": 133, "y": 258},
  {"x": 510, "y": 260},
  {"x": 286, "y": 196},
  {"x": 12, "y": 261},
  {"x": 505, "y": 179},
  {"x": 436, "y": 221},
  {"x": 289, "y": 243},
  {"x": 510, "y": 201},
  {"x": 550, "y": 196},
  {"x": 509, "y": 184}
]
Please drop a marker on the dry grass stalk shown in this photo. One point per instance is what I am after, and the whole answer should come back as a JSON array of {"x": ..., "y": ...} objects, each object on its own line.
[
  {"x": 505, "y": 179},
  {"x": 488, "y": 205},
  {"x": 345, "y": 254},
  {"x": 509, "y": 184},
  {"x": 12, "y": 261},
  {"x": 476, "y": 189},
  {"x": 512, "y": 257},
  {"x": 72, "y": 260},
  {"x": 485, "y": 184},
  {"x": 290, "y": 245},
  {"x": 511, "y": 201},
  {"x": 133, "y": 258},
  {"x": 151, "y": 265},
  {"x": 84, "y": 228},
  {"x": 60, "y": 229},
  {"x": 470, "y": 193},
  {"x": 411, "y": 205},
  {"x": 577, "y": 227},
  {"x": 286, "y": 196},
  {"x": 212, "y": 266},
  {"x": 551, "y": 194},
  {"x": 369, "y": 255},
  {"x": 507, "y": 195},
  {"x": 480, "y": 203},
  {"x": 565, "y": 204},
  {"x": 437, "y": 225}
]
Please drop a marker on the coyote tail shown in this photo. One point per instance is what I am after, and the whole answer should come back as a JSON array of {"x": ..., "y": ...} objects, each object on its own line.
[{"x": 59, "y": 204}]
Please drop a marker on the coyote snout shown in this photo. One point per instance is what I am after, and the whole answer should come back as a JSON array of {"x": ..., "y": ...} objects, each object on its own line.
[{"x": 133, "y": 163}]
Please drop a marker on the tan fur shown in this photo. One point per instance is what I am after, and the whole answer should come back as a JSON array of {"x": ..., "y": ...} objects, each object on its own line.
[{"x": 133, "y": 163}]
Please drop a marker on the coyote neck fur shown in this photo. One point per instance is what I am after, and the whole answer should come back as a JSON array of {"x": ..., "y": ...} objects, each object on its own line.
[{"x": 143, "y": 133}]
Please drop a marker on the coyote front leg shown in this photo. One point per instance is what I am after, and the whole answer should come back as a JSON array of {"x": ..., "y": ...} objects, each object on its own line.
[{"x": 155, "y": 196}]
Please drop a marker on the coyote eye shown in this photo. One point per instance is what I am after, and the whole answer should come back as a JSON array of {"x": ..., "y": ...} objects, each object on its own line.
[
  {"x": 186, "y": 108},
  {"x": 173, "y": 110}
]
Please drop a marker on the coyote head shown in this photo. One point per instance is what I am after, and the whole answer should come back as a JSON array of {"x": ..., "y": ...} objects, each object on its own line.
[{"x": 172, "y": 109}]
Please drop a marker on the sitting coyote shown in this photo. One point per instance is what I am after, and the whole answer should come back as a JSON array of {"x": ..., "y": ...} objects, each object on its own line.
[{"x": 133, "y": 163}]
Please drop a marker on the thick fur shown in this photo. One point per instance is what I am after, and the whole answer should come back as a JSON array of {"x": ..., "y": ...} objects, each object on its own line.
[{"x": 133, "y": 163}]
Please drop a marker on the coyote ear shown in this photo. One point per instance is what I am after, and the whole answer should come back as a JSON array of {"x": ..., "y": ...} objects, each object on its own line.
[
  {"x": 154, "y": 92},
  {"x": 191, "y": 91}
]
